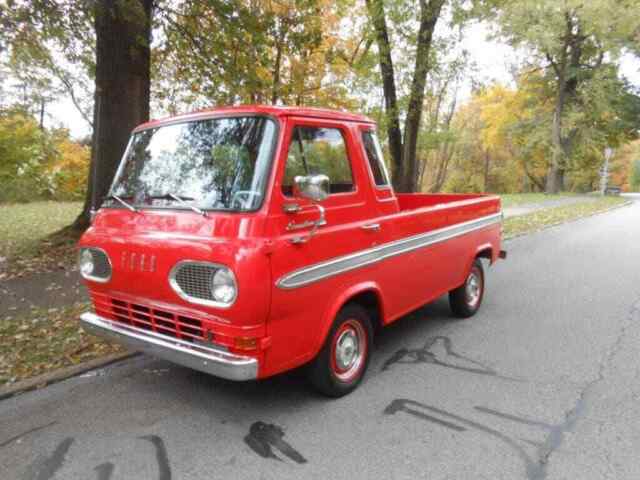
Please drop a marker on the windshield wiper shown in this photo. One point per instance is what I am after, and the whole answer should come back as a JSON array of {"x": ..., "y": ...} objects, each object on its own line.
[
  {"x": 125, "y": 204},
  {"x": 181, "y": 201}
]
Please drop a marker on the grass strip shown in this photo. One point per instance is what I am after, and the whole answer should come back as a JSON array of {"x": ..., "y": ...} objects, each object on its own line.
[
  {"x": 540, "y": 219},
  {"x": 26, "y": 241},
  {"x": 516, "y": 199}
]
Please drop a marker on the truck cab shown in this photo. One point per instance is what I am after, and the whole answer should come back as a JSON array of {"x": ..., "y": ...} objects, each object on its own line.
[{"x": 247, "y": 241}]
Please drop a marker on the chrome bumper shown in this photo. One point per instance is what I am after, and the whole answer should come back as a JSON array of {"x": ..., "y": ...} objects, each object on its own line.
[{"x": 209, "y": 360}]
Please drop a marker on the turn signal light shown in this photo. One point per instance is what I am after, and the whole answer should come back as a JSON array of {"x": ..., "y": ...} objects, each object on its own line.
[{"x": 246, "y": 343}]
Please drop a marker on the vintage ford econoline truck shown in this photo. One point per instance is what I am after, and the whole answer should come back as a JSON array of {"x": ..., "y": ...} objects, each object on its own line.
[{"x": 247, "y": 241}]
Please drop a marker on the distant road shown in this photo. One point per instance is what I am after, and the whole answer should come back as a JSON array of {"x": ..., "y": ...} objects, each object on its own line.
[
  {"x": 526, "y": 208},
  {"x": 543, "y": 383}
]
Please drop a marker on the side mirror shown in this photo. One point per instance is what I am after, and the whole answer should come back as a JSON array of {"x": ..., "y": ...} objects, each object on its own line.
[{"x": 313, "y": 187}]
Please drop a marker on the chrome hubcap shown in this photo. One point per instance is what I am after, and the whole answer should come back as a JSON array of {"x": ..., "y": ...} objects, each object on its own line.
[
  {"x": 347, "y": 349},
  {"x": 473, "y": 289}
]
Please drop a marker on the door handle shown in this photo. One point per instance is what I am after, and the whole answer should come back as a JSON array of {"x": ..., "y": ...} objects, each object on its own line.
[{"x": 374, "y": 227}]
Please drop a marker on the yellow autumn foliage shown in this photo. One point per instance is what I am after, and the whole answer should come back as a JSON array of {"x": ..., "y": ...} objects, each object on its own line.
[
  {"x": 70, "y": 169},
  {"x": 501, "y": 148}
]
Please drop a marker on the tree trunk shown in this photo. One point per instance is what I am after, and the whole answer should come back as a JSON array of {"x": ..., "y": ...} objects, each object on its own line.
[
  {"x": 487, "y": 160},
  {"x": 280, "y": 46},
  {"x": 42, "y": 104},
  {"x": 122, "y": 88},
  {"x": 566, "y": 70},
  {"x": 429, "y": 14},
  {"x": 276, "y": 74},
  {"x": 376, "y": 12},
  {"x": 525, "y": 185},
  {"x": 555, "y": 175}
]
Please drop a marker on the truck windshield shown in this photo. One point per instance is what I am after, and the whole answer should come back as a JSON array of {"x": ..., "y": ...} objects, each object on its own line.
[{"x": 212, "y": 164}]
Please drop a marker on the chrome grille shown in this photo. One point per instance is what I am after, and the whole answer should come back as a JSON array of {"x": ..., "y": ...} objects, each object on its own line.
[
  {"x": 194, "y": 279},
  {"x": 153, "y": 319}
]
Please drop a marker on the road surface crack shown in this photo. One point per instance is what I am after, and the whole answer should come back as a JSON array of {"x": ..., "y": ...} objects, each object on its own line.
[{"x": 556, "y": 435}]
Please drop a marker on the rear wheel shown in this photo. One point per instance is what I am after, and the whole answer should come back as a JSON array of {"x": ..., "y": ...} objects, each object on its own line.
[
  {"x": 343, "y": 360},
  {"x": 465, "y": 300}
]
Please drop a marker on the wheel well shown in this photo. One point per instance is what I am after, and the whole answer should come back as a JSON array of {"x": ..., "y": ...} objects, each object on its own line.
[
  {"x": 369, "y": 301},
  {"x": 486, "y": 253}
]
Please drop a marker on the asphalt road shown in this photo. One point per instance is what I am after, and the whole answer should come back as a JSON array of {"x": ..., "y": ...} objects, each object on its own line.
[{"x": 543, "y": 383}]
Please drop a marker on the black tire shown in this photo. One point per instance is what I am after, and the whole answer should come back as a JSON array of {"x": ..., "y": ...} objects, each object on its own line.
[
  {"x": 463, "y": 303},
  {"x": 326, "y": 372}
]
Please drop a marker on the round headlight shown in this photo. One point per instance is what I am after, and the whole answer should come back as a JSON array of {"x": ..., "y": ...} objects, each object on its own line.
[
  {"x": 223, "y": 286},
  {"x": 86, "y": 263}
]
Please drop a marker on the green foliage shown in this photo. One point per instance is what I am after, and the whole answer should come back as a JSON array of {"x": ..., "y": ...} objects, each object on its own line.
[
  {"x": 635, "y": 176},
  {"x": 318, "y": 52},
  {"x": 38, "y": 164},
  {"x": 250, "y": 52},
  {"x": 37, "y": 34},
  {"x": 576, "y": 45},
  {"x": 24, "y": 149},
  {"x": 504, "y": 133}
]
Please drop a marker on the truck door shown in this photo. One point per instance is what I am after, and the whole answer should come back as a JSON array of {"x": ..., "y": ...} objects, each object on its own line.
[{"x": 300, "y": 298}]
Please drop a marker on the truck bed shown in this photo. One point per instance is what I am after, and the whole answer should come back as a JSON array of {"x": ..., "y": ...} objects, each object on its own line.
[{"x": 413, "y": 201}]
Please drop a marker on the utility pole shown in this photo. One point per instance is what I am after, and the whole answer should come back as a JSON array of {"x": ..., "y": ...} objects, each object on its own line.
[{"x": 604, "y": 171}]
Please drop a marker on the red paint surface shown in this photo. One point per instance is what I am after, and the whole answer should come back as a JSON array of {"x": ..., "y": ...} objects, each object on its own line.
[{"x": 291, "y": 325}]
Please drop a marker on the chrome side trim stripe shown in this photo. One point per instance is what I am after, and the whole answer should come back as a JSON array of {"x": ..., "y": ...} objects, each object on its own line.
[{"x": 336, "y": 266}]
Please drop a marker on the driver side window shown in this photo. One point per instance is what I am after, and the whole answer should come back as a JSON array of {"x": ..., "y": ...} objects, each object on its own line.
[{"x": 318, "y": 151}]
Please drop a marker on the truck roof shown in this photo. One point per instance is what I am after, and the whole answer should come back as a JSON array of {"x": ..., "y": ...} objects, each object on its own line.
[{"x": 276, "y": 111}]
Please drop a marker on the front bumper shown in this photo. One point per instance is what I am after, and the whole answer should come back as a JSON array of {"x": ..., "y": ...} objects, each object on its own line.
[{"x": 206, "y": 359}]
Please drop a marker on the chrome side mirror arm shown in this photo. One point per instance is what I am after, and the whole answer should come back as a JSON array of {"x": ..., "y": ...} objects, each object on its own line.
[
  {"x": 314, "y": 188},
  {"x": 299, "y": 239}
]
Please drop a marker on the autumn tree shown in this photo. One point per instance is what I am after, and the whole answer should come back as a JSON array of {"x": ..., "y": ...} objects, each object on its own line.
[
  {"x": 514, "y": 122},
  {"x": 403, "y": 144},
  {"x": 122, "y": 89},
  {"x": 286, "y": 52},
  {"x": 504, "y": 143},
  {"x": 106, "y": 40},
  {"x": 492, "y": 154},
  {"x": 437, "y": 138},
  {"x": 571, "y": 40}
]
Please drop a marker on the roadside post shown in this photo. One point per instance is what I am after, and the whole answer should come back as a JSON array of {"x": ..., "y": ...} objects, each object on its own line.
[{"x": 604, "y": 171}]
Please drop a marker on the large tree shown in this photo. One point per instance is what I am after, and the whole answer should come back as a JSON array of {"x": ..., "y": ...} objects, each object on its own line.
[
  {"x": 402, "y": 147},
  {"x": 122, "y": 89},
  {"x": 504, "y": 133},
  {"x": 571, "y": 40},
  {"x": 108, "y": 40},
  {"x": 258, "y": 51}
]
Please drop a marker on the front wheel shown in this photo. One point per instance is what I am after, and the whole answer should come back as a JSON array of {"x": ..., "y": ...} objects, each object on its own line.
[
  {"x": 343, "y": 360},
  {"x": 466, "y": 299}
]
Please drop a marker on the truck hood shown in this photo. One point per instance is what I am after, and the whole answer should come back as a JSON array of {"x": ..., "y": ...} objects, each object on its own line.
[
  {"x": 143, "y": 248},
  {"x": 177, "y": 222}
]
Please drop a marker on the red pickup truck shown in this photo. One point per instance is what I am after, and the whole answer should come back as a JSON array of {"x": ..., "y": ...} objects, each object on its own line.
[{"x": 247, "y": 241}]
